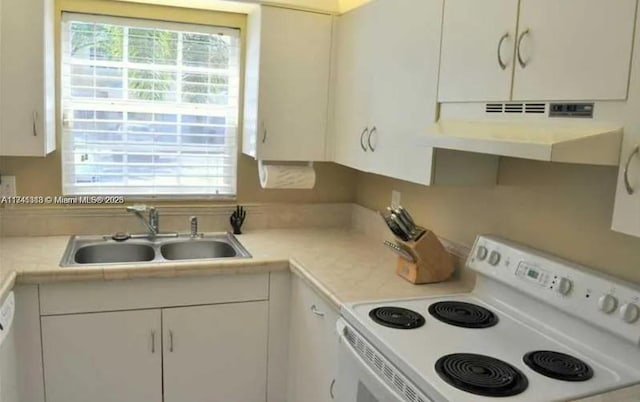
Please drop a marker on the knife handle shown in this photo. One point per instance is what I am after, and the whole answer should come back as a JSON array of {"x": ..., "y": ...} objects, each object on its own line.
[
  {"x": 405, "y": 214},
  {"x": 398, "y": 221}
]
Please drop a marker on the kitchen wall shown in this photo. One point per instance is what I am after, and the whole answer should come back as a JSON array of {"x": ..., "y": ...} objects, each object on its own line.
[
  {"x": 42, "y": 176},
  {"x": 337, "y": 6},
  {"x": 346, "y": 5},
  {"x": 243, "y": 6},
  {"x": 564, "y": 209}
]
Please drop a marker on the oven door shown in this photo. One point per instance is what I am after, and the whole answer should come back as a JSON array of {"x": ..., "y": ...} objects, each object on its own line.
[{"x": 357, "y": 379}]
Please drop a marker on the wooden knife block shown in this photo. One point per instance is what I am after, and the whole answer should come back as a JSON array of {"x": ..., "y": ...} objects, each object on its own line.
[{"x": 432, "y": 262}]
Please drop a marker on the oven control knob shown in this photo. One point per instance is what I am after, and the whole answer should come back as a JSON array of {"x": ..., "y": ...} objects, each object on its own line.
[
  {"x": 564, "y": 286},
  {"x": 607, "y": 303},
  {"x": 629, "y": 313},
  {"x": 482, "y": 253},
  {"x": 494, "y": 258}
]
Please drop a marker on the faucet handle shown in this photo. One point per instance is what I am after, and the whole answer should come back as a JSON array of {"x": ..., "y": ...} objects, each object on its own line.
[
  {"x": 194, "y": 226},
  {"x": 138, "y": 208}
]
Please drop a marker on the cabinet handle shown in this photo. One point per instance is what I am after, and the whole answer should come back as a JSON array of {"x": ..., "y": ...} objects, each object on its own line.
[
  {"x": 35, "y": 123},
  {"x": 501, "y": 63},
  {"x": 314, "y": 310},
  {"x": 333, "y": 383},
  {"x": 627, "y": 184},
  {"x": 170, "y": 341},
  {"x": 364, "y": 132},
  {"x": 522, "y": 62},
  {"x": 264, "y": 135},
  {"x": 373, "y": 130},
  {"x": 153, "y": 342}
]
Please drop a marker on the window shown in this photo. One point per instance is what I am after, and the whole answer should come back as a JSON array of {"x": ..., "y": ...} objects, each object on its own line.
[{"x": 150, "y": 108}]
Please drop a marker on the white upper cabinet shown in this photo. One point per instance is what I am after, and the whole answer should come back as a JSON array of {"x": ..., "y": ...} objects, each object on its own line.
[
  {"x": 478, "y": 42},
  {"x": 352, "y": 87},
  {"x": 287, "y": 84},
  {"x": 574, "y": 49},
  {"x": 626, "y": 214},
  {"x": 27, "y": 84},
  {"x": 387, "y": 56},
  {"x": 562, "y": 50},
  {"x": 404, "y": 82}
]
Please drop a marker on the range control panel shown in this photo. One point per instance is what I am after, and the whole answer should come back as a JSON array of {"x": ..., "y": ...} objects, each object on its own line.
[{"x": 575, "y": 289}]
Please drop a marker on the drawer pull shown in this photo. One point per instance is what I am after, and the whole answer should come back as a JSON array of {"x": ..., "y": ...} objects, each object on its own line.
[{"x": 314, "y": 310}]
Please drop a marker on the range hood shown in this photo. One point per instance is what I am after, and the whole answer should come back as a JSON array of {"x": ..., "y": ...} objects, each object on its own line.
[{"x": 553, "y": 140}]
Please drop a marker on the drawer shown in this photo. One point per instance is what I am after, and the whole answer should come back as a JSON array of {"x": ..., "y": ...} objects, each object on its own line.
[{"x": 95, "y": 296}]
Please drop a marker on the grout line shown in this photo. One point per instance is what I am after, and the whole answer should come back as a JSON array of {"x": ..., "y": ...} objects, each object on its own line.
[{"x": 44, "y": 388}]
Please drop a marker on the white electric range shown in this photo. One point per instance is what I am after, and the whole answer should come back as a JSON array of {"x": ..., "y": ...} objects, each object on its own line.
[{"x": 535, "y": 328}]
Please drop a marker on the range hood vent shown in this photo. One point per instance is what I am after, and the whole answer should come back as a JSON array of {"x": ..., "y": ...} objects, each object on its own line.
[
  {"x": 583, "y": 142},
  {"x": 515, "y": 108}
]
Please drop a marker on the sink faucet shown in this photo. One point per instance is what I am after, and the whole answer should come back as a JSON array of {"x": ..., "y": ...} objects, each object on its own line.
[{"x": 152, "y": 223}]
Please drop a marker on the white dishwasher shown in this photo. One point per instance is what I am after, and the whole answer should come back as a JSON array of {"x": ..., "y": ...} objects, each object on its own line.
[{"x": 8, "y": 359}]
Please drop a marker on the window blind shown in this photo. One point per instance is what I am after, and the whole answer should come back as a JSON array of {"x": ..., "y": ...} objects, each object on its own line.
[{"x": 149, "y": 107}]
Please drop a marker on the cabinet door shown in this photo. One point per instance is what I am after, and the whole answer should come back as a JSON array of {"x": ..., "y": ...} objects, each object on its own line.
[
  {"x": 477, "y": 37},
  {"x": 215, "y": 353},
  {"x": 27, "y": 123},
  {"x": 626, "y": 215},
  {"x": 103, "y": 357},
  {"x": 295, "y": 58},
  {"x": 313, "y": 345},
  {"x": 574, "y": 49},
  {"x": 352, "y": 87},
  {"x": 404, "y": 84}
]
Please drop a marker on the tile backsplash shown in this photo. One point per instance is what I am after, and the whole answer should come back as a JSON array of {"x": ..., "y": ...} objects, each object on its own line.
[{"x": 35, "y": 221}]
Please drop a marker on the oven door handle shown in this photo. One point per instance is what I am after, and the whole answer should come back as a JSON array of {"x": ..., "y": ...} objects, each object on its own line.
[{"x": 381, "y": 383}]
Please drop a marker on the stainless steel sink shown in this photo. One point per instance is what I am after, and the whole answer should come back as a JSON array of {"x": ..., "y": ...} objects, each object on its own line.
[
  {"x": 197, "y": 249},
  {"x": 104, "y": 250},
  {"x": 113, "y": 253}
]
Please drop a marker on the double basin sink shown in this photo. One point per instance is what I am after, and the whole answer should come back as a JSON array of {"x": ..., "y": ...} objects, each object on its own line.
[{"x": 101, "y": 250}]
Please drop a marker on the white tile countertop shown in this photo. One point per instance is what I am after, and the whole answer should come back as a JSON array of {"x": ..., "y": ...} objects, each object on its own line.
[{"x": 342, "y": 265}]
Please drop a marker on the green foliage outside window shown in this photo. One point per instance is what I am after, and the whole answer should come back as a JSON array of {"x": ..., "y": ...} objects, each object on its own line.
[{"x": 103, "y": 42}]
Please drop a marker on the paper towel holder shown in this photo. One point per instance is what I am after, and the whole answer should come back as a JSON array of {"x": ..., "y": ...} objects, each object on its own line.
[
  {"x": 262, "y": 163},
  {"x": 292, "y": 175}
]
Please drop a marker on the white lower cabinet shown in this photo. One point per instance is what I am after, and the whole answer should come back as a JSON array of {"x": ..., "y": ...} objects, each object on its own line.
[
  {"x": 215, "y": 353},
  {"x": 153, "y": 340},
  {"x": 313, "y": 345},
  {"x": 206, "y": 354},
  {"x": 103, "y": 357}
]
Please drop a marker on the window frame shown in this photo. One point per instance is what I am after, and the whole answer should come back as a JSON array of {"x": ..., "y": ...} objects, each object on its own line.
[{"x": 167, "y": 16}]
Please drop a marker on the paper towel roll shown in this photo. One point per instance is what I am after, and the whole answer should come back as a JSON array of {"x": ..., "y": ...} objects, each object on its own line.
[{"x": 287, "y": 177}]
